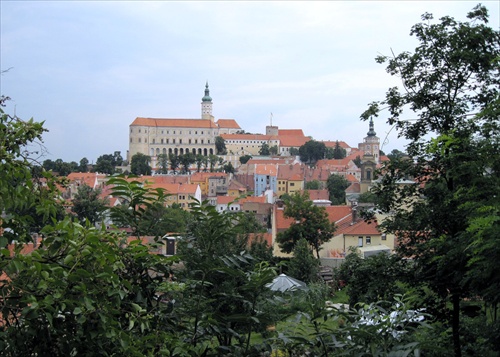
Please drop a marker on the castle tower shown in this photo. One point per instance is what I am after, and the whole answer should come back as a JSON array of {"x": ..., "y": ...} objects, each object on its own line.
[
  {"x": 206, "y": 105},
  {"x": 371, "y": 143}
]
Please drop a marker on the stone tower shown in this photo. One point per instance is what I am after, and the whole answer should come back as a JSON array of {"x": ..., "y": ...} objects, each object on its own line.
[
  {"x": 371, "y": 143},
  {"x": 206, "y": 105}
]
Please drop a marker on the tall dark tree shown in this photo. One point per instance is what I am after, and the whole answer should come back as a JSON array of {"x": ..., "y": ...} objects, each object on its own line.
[
  {"x": 303, "y": 265},
  {"x": 220, "y": 145},
  {"x": 186, "y": 161},
  {"x": 139, "y": 164},
  {"x": 336, "y": 186},
  {"x": 84, "y": 165},
  {"x": 105, "y": 164},
  {"x": 244, "y": 159},
  {"x": 174, "y": 161},
  {"x": 264, "y": 150},
  {"x": 163, "y": 164},
  {"x": 312, "y": 151},
  {"x": 338, "y": 151},
  {"x": 452, "y": 82}
]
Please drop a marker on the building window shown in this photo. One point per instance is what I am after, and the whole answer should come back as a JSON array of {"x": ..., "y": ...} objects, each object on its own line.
[
  {"x": 384, "y": 236},
  {"x": 180, "y": 141},
  {"x": 139, "y": 139},
  {"x": 174, "y": 131},
  {"x": 173, "y": 141},
  {"x": 139, "y": 130},
  {"x": 202, "y": 141},
  {"x": 368, "y": 240},
  {"x": 360, "y": 241},
  {"x": 153, "y": 141},
  {"x": 292, "y": 183},
  {"x": 196, "y": 141},
  {"x": 130, "y": 139}
]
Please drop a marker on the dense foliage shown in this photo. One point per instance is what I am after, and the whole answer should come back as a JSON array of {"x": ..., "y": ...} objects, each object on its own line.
[{"x": 447, "y": 221}]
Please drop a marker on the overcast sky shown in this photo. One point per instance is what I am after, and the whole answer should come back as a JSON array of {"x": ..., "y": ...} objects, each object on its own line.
[{"x": 89, "y": 68}]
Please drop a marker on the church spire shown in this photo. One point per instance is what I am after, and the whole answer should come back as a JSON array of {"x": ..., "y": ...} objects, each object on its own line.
[
  {"x": 371, "y": 132},
  {"x": 206, "y": 104}
]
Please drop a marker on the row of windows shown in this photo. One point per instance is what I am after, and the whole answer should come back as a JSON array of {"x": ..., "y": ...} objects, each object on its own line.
[
  {"x": 181, "y": 151},
  {"x": 167, "y": 141},
  {"x": 173, "y": 131}
]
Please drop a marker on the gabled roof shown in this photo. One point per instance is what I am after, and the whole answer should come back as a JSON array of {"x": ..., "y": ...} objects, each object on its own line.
[
  {"x": 228, "y": 124},
  {"x": 87, "y": 178},
  {"x": 225, "y": 200},
  {"x": 270, "y": 170},
  {"x": 181, "y": 123},
  {"x": 203, "y": 176},
  {"x": 293, "y": 141},
  {"x": 291, "y": 172},
  {"x": 318, "y": 194},
  {"x": 291, "y": 132}
]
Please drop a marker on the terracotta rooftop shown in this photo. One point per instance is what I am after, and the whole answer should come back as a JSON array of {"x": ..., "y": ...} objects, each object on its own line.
[
  {"x": 263, "y": 169},
  {"x": 292, "y": 132},
  {"x": 181, "y": 123},
  {"x": 333, "y": 144},
  {"x": 293, "y": 141},
  {"x": 257, "y": 137},
  {"x": 228, "y": 123}
]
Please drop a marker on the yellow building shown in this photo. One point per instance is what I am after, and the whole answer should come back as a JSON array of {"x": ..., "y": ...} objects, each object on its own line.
[{"x": 155, "y": 136}]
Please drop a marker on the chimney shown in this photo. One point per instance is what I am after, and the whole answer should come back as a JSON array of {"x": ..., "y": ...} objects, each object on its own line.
[{"x": 354, "y": 214}]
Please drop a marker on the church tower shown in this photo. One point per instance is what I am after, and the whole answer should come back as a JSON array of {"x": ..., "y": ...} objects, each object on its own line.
[
  {"x": 206, "y": 105},
  {"x": 371, "y": 143}
]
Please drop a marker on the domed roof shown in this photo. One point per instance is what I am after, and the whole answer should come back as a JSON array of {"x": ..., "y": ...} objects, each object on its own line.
[
  {"x": 207, "y": 97},
  {"x": 371, "y": 132}
]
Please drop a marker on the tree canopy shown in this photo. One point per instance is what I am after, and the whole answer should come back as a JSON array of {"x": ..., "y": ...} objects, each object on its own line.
[
  {"x": 139, "y": 164},
  {"x": 452, "y": 82},
  {"x": 310, "y": 222},
  {"x": 312, "y": 151}
]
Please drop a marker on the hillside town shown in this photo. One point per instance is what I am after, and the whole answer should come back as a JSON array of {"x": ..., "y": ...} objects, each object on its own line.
[
  {"x": 256, "y": 186},
  {"x": 207, "y": 240}
]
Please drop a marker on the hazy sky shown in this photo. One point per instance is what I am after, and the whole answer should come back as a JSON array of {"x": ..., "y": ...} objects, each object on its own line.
[{"x": 89, "y": 68}]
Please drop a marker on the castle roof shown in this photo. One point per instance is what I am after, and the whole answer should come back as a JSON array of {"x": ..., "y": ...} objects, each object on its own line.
[{"x": 179, "y": 123}]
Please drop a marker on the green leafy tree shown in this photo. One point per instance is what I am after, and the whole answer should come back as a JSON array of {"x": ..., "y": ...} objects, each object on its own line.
[
  {"x": 163, "y": 164},
  {"x": 174, "y": 161},
  {"x": 84, "y": 165},
  {"x": 312, "y": 151},
  {"x": 452, "y": 82},
  {"x": 264, "y": 150},
  {"x": 199, "y": 160},
  {"x": 225, "y": 283},
  {"x": 104, "y": 164},
  {"x": 310, "y": 222},
  {"x": 336, "y": 186},
  {"x": 357, "y": 161},
  {"x": 294, "y": 152},
  {"x": 273, "y": 150},
  {"x": 303, "y": 265},
  {"x": 186, "y": 161},
  {"x": 88, "y": 205},
  {"x": 313, "y": 185},
  {"x": 220, "y": 145},
  {"x": 338, "y": 151},
  {"x": 367, "y": 197},
  {"x": 229, "y": 168},
  {"x": 396, "y": 154},
  {"x": 244, "y": 159},
  {"x": 213, "y": 160},
  {"x": 139, "y": 164}
]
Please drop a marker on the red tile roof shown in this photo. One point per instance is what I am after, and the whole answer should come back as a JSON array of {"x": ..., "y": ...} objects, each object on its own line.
[
  {"x": 181, "y": 123},
  {"x": 228, "y": 123},
  {"x": 293, "y": 141},
  {"x": 318, "y": 194},
  {"x": 270, "y": 170},
  {"x": 291, "y": 132}
]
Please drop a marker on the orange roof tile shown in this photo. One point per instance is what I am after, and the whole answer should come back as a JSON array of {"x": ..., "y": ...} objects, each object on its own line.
[
  {"x": 351, "y": 178},
  {"x": 228, "y": 123},
  {"x": 291, "y": 132},
  {"x": 270, "y": 170},
  {"x": 318, "y": 194},
  {"x": 225, "y": 200},
  {"x": 293, "y": 141},
  {"x": 180, "y": 123}
]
